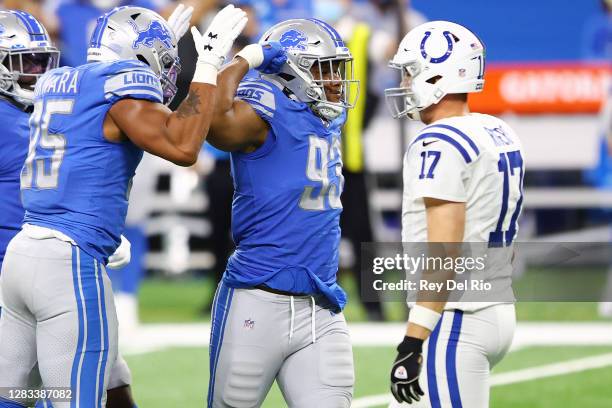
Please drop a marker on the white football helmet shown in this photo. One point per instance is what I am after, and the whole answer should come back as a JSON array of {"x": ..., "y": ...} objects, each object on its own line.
[
  {"x": 26, "y": 53},
  {"x": 436, "y": 58},
  {"x": 136, "y": 33},
  {"x": 309, "y": 42}
]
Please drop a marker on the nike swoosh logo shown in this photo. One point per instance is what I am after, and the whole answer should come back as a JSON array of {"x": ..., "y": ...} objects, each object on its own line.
[{"x": 428, "y": 143}]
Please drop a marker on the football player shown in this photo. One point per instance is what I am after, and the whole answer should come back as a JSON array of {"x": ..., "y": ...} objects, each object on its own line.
[
  {"x": 278, "y": 310},
  {"x": 463, "y": 183},
  {"x": 23, "y": 61},
  {"x": 89, "y": 127}
]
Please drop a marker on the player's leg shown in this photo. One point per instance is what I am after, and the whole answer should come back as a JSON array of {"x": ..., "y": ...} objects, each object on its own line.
[
  {"x": 459, "y": 354},
  {"x": 77, "y": 329},
  {"x": 17, "y": 326},
  {"x": 119, "y": 392},
  {"x": 246, "y": 348},
  {"x": 320, "y": 374}
]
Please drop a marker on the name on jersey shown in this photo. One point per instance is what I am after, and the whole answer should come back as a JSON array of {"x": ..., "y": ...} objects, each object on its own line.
[
  {"x": 499, "y": 136},
  {"x": 66, "y": 83},
  {"x": 132, "y": 78},
  {"x": 250, "y": 93}
]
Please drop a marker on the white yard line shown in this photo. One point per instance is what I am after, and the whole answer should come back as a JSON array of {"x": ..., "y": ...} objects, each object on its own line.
[
  {"x": 152, "y": 337},
  {"x": 513, "y": 377}
]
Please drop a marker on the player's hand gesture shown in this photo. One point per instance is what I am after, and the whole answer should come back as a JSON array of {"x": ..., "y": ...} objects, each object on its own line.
[
  {"x": 216, "y": 43},
  {"x": 179, "y": 20},
  {"x": 406, "y": 369}
]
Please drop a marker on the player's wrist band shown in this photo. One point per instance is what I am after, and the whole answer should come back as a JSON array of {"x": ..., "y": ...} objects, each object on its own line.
[
  {"x": 253, "y": 54},
  {"x": 205, "y": 73},
  {"x": 424, "y": 317}
]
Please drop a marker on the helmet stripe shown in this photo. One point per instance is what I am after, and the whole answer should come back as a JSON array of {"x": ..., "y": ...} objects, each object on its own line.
[
  {"x": 96, "y": 37},
  {"x": 330, "y": 30},
  {"x": 36, "y": 30}
]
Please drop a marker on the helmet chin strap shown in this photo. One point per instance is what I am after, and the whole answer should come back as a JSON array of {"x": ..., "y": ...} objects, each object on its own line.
[{"x": 327, "y": 110}]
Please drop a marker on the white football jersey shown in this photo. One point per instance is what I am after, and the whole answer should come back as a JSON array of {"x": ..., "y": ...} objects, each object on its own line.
[{"x": 476, "y": 159}]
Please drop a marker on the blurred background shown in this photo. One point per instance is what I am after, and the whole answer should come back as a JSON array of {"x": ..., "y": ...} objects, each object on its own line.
[{"x": 548, "y": 75}]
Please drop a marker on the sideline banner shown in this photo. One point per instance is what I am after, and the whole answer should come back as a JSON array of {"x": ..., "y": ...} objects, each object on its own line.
[{"x": 531, "y": 88}]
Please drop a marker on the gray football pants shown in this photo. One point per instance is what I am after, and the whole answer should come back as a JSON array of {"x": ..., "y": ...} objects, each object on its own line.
[
  {"x": 58, "y": 311},
  {"x": 258, "y": 337}
]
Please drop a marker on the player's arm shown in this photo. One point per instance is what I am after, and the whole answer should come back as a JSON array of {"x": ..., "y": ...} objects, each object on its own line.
[
  {"x": 445, "y": 227},
  {"x": 174, "y": 136},
  {"x": 178, "y": 136},
  {"x": 235, "y": 124},
  {"x": 436, "y": 169}
]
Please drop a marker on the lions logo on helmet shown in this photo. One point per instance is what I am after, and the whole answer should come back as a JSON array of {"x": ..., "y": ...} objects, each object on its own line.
[
  {"x": 2, "y": 29},
  {"x": 136, "y": 33},
  {"x": 154, "y": 32},
  {"x": 294, "y": 39}
]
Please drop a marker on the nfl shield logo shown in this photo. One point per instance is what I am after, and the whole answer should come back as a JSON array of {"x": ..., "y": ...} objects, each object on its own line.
[
  {"x": 249, "y": 324},
  {"x": 461, "y": 72}
]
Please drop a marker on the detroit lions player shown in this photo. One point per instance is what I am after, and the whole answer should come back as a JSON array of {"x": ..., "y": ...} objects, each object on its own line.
[
  {"x": 463, "y": 182},
  {"x": 277, "y": 312},
  {"x": 26, "y": 52},
  {"x": 88, "y": 129}
]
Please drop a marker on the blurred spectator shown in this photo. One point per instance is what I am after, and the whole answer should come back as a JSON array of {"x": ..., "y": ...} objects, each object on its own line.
[
  {"x": 270, "y": 12},
  {"x": 73, "y": 21}
]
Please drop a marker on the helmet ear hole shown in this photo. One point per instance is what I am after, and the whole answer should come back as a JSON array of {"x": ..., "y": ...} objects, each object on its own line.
[
  {"x": 286, "y": 76},
  {"x": 434, "y": 79},
  {"x": 142, "y": 59}
]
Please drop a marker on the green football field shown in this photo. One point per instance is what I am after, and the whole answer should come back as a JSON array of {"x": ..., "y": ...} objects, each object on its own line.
[
  {"x": 565, "y": 375},
  {"x": 178, "y": 377}
]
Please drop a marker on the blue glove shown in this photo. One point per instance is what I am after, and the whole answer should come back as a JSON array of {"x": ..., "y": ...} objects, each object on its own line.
[{"x": 275, "y": 57}]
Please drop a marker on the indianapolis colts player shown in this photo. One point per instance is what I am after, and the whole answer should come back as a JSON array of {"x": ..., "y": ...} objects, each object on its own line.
[
  {"x": 89, "y": 127},
  {"x": 277, "y": 311},
  {"x": 463, "y": 183}
]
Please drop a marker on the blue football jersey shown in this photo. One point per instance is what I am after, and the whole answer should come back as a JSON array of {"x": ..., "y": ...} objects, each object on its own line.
[
  {"x": 74, "y": 180},
  {"x": 14, "y": 140},
  {"x": 286, "y": 208}
]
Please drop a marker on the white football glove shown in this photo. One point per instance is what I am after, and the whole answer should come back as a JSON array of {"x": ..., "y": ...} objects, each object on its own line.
[
  {"x": 122, "y": 255},
  {"x": 179, "y": 20},
  {"x": 216, "y": 43}
]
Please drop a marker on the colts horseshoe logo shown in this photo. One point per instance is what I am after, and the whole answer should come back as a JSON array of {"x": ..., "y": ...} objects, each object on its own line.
[{"x": 437, "y": 60}]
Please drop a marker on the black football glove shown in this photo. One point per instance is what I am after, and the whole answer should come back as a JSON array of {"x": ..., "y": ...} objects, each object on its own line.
[{"x": 406, "y": 369}]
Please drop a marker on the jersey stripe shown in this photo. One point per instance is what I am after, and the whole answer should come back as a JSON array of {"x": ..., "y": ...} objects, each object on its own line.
[
  {"x": 451, "y": 360},
  {"x": 137, "y": 90},
  {"x": 446, "y": 138},
  {"x": 432, "y": 385},
  {"x": 458, "y": 132}
]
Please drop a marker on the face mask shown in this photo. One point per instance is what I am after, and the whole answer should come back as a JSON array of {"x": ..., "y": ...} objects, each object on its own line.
[
  {"x": 329, "y": 11},
  {"x": 105, "y": 4}
]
